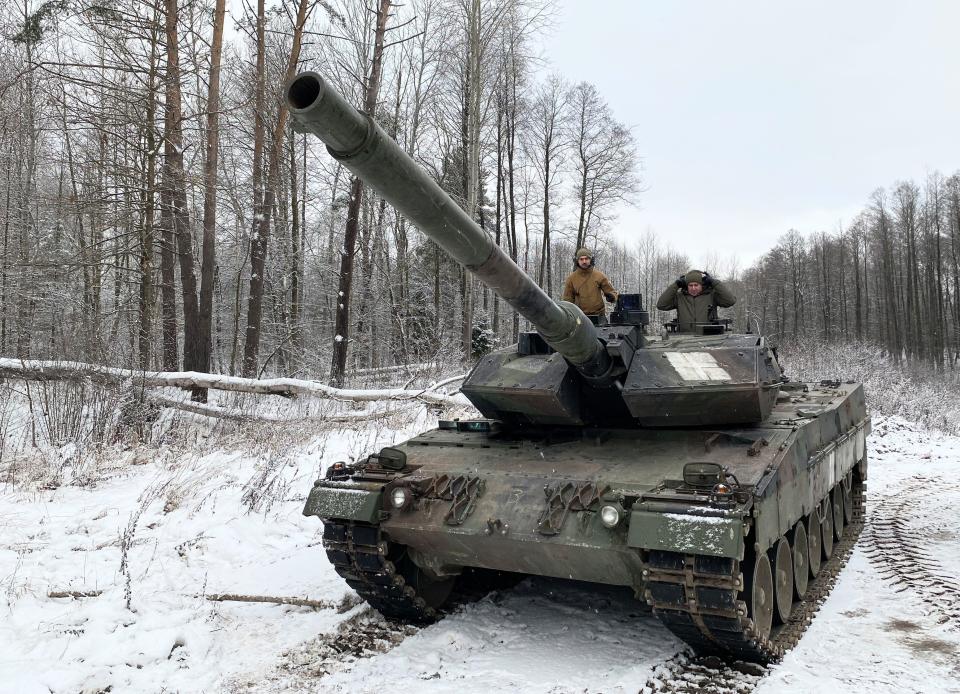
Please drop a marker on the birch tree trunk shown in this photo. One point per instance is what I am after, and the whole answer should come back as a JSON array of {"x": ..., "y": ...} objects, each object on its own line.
[
  {"x": 259, "y": 135},
  {"x": 296, "y": 253}
]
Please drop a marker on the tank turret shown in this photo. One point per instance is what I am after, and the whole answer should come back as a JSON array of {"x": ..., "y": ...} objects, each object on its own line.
[{"x": 569, "y": 372}]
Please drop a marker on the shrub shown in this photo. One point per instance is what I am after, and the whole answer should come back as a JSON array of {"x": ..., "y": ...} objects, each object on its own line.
[{"x": 913, "y": 391}]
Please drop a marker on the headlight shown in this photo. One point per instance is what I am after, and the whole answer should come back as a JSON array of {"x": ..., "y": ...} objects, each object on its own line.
[
  {"x": 399, "y": 497},
  {"x": 610, "y": 516}
]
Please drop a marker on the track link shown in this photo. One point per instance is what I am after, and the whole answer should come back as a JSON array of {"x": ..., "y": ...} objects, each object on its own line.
[
  {"x": 368, "y": 563},
  {"x": 699, "y": 598},
  {"x": 897, "y": 549}
]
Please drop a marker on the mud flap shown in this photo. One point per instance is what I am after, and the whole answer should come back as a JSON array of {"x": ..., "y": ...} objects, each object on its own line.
[
  {"x": 674, "y": 532},
  {"x": 354, "y": 503}
]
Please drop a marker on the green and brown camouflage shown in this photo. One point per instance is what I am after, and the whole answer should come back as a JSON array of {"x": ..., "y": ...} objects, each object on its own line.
[
  {"x": 685, "y": 467},
  {"x": 789, "y": 463}
]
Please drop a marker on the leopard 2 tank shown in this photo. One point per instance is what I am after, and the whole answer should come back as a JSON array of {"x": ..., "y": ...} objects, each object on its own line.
[{"x": 685, "y": 467}]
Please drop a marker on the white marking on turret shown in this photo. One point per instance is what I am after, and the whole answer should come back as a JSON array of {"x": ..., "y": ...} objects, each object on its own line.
[{"x": 697, "y": 366}]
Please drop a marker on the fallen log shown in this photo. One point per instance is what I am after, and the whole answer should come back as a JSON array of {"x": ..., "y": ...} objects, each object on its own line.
[
  {"x": 38, "y": 370},
  {"x": 301, "y": 602},
  {"x": 73, "y": 593},
  {"x": 217, "y": 597},
  {"x": 236, "y": 416}
]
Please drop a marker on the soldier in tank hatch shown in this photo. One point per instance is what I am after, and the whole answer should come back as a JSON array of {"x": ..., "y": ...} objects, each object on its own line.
[
  {"x": 587, "y": 287},
  {"x": 696, "y": 296}
]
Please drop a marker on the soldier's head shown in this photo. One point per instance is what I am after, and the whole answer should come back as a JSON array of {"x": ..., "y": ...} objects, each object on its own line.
[
  {"x": 584, "y": 258},
  {"x": 694, "y": 280}
]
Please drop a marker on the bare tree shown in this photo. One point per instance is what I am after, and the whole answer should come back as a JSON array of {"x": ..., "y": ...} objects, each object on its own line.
[
  {"x": 605, "y": 160},
  {"x": 175, "y": 183},
  {"x": 341, "y": 336},
  {"x": 258, "y": 244},
  {"x": 546, "y": 144},
  {"x": 209, "y": 260},
  {"x": 99, "y": 200}
]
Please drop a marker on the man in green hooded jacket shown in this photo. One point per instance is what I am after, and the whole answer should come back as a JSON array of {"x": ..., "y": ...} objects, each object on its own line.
[
  {"x": 696, "y": 296},
  {"x": 587, "y": 287}
]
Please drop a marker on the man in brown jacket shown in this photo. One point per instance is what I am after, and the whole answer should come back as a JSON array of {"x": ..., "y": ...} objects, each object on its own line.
[
  {"x": 586, "y": 287},
  {"x": 696, "y": 296}
]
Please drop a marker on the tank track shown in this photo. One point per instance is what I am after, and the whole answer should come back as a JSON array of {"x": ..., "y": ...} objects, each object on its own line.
[
  {"x": 361, "y": 556},
  {"x": 897, "y": 549},
  {"x": 704, "y": 606}
]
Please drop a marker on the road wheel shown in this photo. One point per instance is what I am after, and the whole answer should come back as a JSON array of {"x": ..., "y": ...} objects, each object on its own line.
[
  {"x": 848, "y": 498},
  {"x": 838, "y": 516},
  {"x": 783, "y": 580},
  {"x": 801, "y": 560},
  {"x": 814, "y": 544},
  {"x": 761, "y": 596},
  {"x": 826, "y": 526},
  {"x": 432, "y": 590}
]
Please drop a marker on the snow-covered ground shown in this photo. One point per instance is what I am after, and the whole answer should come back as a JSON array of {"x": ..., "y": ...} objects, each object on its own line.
[{"x": 150, "y": 535}]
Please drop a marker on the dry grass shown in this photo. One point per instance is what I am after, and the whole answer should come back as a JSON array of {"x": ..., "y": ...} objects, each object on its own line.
[{"x": 75, "y": 433}]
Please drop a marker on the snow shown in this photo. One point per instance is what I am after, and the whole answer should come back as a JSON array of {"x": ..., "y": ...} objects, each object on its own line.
[
  {"x": 539, "y": 636},
  {"x": 214, "y": 516},
  {"x": 700, "y": 520}
]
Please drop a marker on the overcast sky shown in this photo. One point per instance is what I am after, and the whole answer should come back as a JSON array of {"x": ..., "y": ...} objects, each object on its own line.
[{"x": 755, "y": 117}]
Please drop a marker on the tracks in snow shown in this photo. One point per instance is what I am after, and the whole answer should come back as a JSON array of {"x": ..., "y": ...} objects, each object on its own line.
[
  {"x": 682, "y": 674},
  {"x": 364, "y": 635},
  {"x": 896, "y": 545}
]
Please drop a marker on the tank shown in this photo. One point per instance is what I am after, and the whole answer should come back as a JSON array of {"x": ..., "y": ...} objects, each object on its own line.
[{"x": 684, "y": 466}]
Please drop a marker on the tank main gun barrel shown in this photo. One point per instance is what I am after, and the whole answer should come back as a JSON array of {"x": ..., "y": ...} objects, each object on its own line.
[{"x": 355, "y": 140}]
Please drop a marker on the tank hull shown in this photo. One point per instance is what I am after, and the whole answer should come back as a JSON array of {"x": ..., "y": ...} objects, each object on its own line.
[{"x": 533, "y": 504}]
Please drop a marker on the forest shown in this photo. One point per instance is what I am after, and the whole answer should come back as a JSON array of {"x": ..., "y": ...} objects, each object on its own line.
[{"x": 159, "y": 212}]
